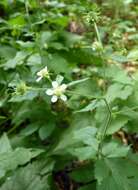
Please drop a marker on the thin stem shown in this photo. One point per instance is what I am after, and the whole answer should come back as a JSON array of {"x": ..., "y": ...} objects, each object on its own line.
[
  {"x": 12, "y": 129},
  {"x": 27, "y": 13},
  {"x": 88, "y": 96},
  {"x": 105, "y": 127},
  {"x": 101, "y": 52},
  {"x": 109, "y": 118},
  {"x": 97, "y": 33},
  {"x": 107, "y": 122}
]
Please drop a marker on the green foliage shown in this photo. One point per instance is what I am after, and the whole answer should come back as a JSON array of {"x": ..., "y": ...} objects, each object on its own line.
[{"x": 68, "y": 95}]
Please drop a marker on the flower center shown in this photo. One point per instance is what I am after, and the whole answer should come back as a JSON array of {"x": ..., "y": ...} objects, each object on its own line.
[
  {"x": 58, "y": 91},
  {"x": 44, "y": 73}
]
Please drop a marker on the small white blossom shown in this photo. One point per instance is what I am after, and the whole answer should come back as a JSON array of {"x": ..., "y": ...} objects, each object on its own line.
[
  {"x": 57, "y": 92},
  {"x": 42, "y": 74}
]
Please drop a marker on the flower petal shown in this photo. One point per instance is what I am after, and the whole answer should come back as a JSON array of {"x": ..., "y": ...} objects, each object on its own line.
[
  {"x": 63, "y": 87},
  {"x": 49, "y": 92},
  {"x": 54, "y": 99},
  {"x": 46, "y": 68},
  {"x": 55, "y": 84},
  {"x": 38, "y": 79},
  {"x": 38, "y": 73},
  {"x": 63, "y": 97}
]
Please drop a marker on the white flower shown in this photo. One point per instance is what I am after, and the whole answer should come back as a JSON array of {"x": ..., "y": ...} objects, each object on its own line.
[
  {"x": 57, "y": 92},
  {"x": 42, "y": 73}
]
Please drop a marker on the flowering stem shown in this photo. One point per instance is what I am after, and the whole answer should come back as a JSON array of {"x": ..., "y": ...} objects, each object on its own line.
[
  {"x": 88, "y": 96},
  {"x": 105, "y": 127},
  {"x": 102, "y": 52},
  {"x": 27, "y": 13},
  {"x": 97, "y": 33},
  {"x": 107, "y": 122}
]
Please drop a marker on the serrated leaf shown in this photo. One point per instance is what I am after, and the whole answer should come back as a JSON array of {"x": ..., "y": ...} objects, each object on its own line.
[
  {"x": 127, "y": 111},
  {"x": 116, "y": 174},
  {"x": 20, "y": 156},
  {"x": 94, "y": 104},
  {"x": 58, "y": 64},
  {"x": 116, "y": 124},
  {"x": 87, "y": 136},
  {"x": 83, "y": 174},
  {"x": 27, "y": 178},
  {"x": 46, "y": 130},
  {"x": 5, "y": 145},
  {"x": 119, "y": 58},
  {"x": 91, "y": 186},
  {"x": 84, "y": 153},
  {"x": 114, "y": 149},
  {"x": 120, "y": 91},
  {"x": 28, "y": 95},
  {"x": 17, "y": 60},
  {"x": 133, "y": 55},
  {"x": 30, "y": 129},
  {"x": 123, "y": 78},
  {"x": 10, "y": 159}
]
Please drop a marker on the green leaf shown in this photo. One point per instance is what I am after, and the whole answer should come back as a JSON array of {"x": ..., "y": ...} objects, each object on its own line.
[
  {"x": 58, "y": 64},
  {"x": 114, "y": 149},
  {"x": 34, "y": 60},
  {"x": 83, "y": 174},
  {"x": 122, "y": 77},
  {"x": 90, "y": 144},
  {"x": 20, "y": 156},
  {"x": 85, "y": 89},
  {"x": 128, "y": 111},
  {"x": 5, "y": 144},
  {"x": 86, "y": 135},
  {"x": 71, "y": 39},
  {"x": 88, "y": 187},
  {"x": 120, "y": 91},
  {"x": 90, "y": 107},
  {"x": 116, "y": 124},
  {"x": 17, "y": 21},
  {"x": 116, "y": 174},
  {"x": 85, "y": 152},
  {"x": 133, "y": 55},
  {"x": 46, "y": 130},
  {"x": 30, "y": 129},
  {"x": 28, "y": 95},
  {"x": 27, "y": 178},
  {"x": 119, "y": 58},
  {"x": 67, "y": 138},
  {"x": 44, "y": 38},
  {"x": 7, "y": 52},
  {"x": 10, "y": 159},
  {"x": 17, "y": 60}
]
